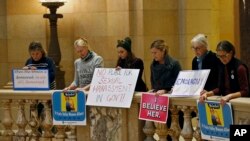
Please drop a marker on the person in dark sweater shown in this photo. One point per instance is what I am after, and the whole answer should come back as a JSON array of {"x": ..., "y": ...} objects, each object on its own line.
[
  {"x": 39, "y": 60},
  {"x": 233, "y": 75},
  {"x": 164, "y": 72},
  {"x": 127, "y": 59},
  {"x": 164, "y": 69},
  {"x": 205, "y": 59}
]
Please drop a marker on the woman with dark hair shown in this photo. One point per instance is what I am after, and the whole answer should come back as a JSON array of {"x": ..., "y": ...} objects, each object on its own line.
[
  {"x": 233, "y": 75},
  {"x": 39, "y": 60},
  {"x": 126, "y": 59}
]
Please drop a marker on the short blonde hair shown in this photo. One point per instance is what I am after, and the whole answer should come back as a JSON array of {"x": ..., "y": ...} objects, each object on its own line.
[
  {"x": 82, "y": 42},
  {"x": 201, "y": 39}
]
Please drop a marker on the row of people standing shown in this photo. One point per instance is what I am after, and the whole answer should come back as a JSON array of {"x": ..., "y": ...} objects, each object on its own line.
[{"x": 228, "y": 75}]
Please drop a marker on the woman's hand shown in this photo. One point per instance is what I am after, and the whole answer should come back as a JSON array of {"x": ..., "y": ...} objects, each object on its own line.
[
  {"x": 160, "y": 92},
  {"x": 225, "y": 99},
  {"x": 118, "y": 68},
  {"x": 25, "y": 68},
  {"x": 203, "y": 96},
  {"x": 66, "y": 89}
]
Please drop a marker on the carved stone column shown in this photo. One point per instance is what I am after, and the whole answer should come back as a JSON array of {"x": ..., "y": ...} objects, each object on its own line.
[
  {"x": 7, "y": 120},
  {"x": 187, "y": 131},
  {"x": 34, "y": 122},
  {"x": 60, "y": 132},
  {"x": 21, "y": 121},
  {"x": 197, "y": 131},
  {"x": 72, "y": 135},
  {"x": 47, "y": 122},
  {"x": 54, "y": 49},
  {"x": 161, "y": 130},
  {"x": 175, "y": 126},
  {"x": 149, "y": 130}
]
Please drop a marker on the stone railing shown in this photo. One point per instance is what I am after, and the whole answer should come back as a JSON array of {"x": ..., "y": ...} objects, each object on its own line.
[{"x": 20, "y": 120}]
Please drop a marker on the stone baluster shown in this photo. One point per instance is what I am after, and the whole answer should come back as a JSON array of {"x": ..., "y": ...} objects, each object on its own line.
[
  {"x": 187, "y": 130},
  {"x": 149, "y": 130},
  {"x": 47, "y": 120},
  {"x": 197, "y": 131},
  {"x": 72, "y": 135},
  {"x": 7, "y": 120},
  {"x": 175, "y": 126},
  {"x": 60, "y": 134},
  {"x": 21, "y": 121},
  {"x": 34, "y": 122},
  {"x": 161, "y": 130}
]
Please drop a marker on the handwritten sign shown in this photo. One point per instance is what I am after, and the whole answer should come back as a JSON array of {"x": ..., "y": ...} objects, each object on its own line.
[
  {"x": 154, "y": 108},
  {"x": 190, "y": 82},
  {"x": 215, "y": 120},
  {"x": 112, "y": 88},
  {"x": 30, "y": 79},
  {"x": 69, "y": 108}
]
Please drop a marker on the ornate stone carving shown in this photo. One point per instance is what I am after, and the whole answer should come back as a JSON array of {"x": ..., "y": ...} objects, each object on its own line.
[
  {"x": 175, "y": 126},
  {"x": 21, "y": 121},
  {"x": 105, "y": 124},
  {"x": 47, "y": 120},
  {"x": 161, "y": 131},
  {"x": 60, "y": 134},
  {"x": 149, "y": 130},
  {"x": 34, "y": 122},
  {"x": 187, "y": 130},
  {"x": 7, "y": 120}
]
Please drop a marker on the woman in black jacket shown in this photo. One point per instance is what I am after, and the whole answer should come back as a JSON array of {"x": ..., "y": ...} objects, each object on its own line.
[{"x": 126, "y": 59}]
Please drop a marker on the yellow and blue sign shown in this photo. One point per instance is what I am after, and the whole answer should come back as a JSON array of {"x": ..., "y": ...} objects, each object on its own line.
[
  {"x": 69, "y": 108},
  {"x": 215, "y": 120}
]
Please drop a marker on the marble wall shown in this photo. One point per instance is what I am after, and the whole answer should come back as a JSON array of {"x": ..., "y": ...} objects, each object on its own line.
[{"x": 103, "y": 22}]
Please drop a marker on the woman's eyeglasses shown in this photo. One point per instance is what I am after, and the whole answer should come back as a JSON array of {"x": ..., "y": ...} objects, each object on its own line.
[{"x": 222, "y": 56}]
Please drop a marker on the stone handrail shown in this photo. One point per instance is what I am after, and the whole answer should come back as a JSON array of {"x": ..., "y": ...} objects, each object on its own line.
[{"x": 19, "y": 120}]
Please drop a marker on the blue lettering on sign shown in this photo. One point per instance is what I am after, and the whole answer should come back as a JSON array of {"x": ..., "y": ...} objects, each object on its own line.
[{"x": 188, "y": 81}]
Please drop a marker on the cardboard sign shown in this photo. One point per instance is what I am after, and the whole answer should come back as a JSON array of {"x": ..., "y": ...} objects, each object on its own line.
[
  {"x": 112, "y": 88},
  {"x": 190, "y": 83},
  {"x": 215, "y": 120},
  {"x": 69, "y": 108},
  {"x": 154, "y": 108},
  {"x": 30, "y": 79}
]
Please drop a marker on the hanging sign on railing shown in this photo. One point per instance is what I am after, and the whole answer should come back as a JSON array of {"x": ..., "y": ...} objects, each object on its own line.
[
  {"x": 215, "y": 120},
  {"x": 154, "y": 108},
  {"x": 27, "y": 79},
  {"x": 112, "y": 88},
  {"x": 69, "y": 108}
]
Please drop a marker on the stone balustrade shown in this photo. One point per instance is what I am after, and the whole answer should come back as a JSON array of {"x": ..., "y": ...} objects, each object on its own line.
[{"x": 20, "y": 120}]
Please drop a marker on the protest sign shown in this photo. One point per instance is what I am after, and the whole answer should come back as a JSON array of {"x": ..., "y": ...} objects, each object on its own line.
[
  {"x": 69, "y": 108},
  {"x": 30, "y": 79},
  {"x": 112, "y": 88},
  {"x": 190, "y": 83},
  {"x": 215, "y": 120},
  {"x": 154, "y": 108}
]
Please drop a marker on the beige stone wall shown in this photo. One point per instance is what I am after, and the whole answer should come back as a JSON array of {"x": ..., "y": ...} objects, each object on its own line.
[{"x": 103, "y": 22}]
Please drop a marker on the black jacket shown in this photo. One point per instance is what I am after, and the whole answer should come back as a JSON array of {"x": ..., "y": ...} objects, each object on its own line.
[
  {"x": 137, "y": 63},
  {"x": 210, "y": 61},
  {"x": 163, "y": 76}
]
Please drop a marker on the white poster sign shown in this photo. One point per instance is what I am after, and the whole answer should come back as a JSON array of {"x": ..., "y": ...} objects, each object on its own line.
[
  {"x": 190, "y": 82},
  {"x": 112, "y": 88},
  {"x": 30, "y": 79}
]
